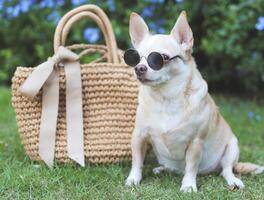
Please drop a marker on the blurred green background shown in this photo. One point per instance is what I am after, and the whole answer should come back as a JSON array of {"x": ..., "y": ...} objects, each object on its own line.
[{"x": 229, "y": 35}]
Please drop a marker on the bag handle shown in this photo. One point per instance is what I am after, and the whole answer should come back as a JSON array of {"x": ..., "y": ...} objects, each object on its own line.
[
  {"x": 95, "y": 18},
  {"x": 97, "y": 15}
]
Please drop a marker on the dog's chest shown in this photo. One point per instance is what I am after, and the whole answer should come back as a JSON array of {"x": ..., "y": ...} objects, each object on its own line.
[
  {"x": 161, "y": 117},
  {"x": 162, "y": 122}
]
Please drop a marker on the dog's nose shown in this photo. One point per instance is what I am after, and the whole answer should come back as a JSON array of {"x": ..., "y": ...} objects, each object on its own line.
[{"x": 141, "y": 69}]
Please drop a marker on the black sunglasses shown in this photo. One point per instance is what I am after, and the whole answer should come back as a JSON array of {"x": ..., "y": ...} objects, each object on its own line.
[{"x": 155, "y": 60}]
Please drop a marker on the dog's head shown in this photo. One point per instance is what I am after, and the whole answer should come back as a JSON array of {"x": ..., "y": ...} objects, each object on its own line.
[{"x": 174, "y": 48}]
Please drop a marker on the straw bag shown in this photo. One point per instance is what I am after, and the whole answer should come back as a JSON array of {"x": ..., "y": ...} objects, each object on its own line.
[{"x": 84, "y": 112}]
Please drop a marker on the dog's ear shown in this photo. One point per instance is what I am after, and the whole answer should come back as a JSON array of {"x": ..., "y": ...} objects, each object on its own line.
[
  {"x": 138, "y": 29},
  {"x": 182, "y": 32}
]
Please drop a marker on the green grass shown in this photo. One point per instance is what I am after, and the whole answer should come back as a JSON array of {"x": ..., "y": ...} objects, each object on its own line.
[{"x": 21, "y": 178}]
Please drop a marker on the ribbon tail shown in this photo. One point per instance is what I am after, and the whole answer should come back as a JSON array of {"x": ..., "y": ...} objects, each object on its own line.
[
  {"x": 50, "y": 106},
  {"x": 74, "y": 112},
  {"x": 36, "y": 79}
]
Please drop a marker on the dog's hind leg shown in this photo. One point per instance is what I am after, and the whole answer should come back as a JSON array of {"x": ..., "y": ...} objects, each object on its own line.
[{"x": 228, "y": 161}]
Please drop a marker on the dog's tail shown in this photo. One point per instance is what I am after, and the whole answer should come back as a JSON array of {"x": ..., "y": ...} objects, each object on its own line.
[{"x": 245, "y": 168}]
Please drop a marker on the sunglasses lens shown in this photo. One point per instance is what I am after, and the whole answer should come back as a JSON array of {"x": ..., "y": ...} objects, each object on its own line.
[
  {"x": 155, "y": 60},
  {"x": 131, "y": 57}
]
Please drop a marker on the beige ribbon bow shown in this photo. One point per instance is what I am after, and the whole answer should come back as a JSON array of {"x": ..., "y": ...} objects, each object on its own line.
[{"x": 46, "y": 77}]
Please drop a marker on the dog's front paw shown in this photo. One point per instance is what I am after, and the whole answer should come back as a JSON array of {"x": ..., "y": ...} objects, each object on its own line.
[
  {"x": 235, "y": 182},
  {"x": 188, "y": 183},
  {"x": 188, "y": 188},
  {"x": 133, "y": 179}
]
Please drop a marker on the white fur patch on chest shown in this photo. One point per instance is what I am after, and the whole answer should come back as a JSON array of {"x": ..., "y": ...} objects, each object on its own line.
[
  {"x": 162, "y": 122},
  {"x": 160, "y": 116}
]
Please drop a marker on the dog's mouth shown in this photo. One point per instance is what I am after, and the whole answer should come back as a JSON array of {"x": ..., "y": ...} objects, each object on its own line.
[
  {"x": 150, "y": 82},
  {"x": 145, "y": 80}
]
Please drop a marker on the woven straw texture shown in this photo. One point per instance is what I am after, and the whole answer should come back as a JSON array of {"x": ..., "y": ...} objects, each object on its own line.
[{"x": 109, "y": 95}]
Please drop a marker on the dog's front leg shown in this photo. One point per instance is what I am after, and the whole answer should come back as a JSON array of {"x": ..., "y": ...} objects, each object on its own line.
[
  {"x": 139, "y": 147},
  {"x": 192, "y": 159}
]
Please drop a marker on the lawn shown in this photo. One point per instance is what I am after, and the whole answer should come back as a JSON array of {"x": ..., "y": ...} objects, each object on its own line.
[{"x": 22, "y": 179}]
